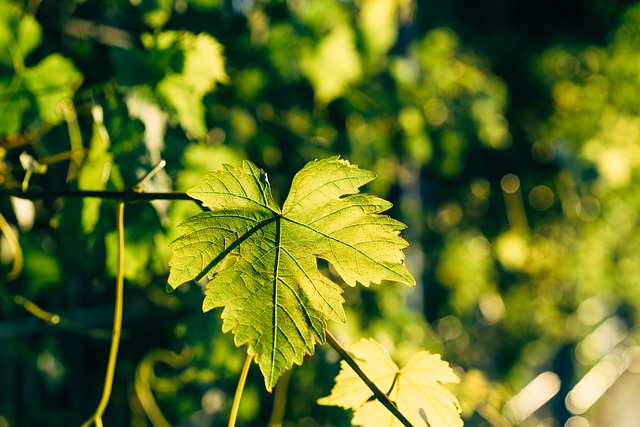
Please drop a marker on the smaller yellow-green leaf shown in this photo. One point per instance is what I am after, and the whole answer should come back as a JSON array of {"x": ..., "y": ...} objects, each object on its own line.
[
  {"x": 417, "y": 389},
  {"x": 202, "y": 69},
  {"x": 350, "y": 392}
]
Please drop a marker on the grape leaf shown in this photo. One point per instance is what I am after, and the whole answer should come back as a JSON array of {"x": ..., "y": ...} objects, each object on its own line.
[
  {"x": 274, "y": 297},
  {"x": 417, "y": 389}
]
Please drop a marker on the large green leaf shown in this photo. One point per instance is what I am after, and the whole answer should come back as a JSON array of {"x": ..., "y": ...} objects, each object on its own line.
[{"x": 275, "y": 298}]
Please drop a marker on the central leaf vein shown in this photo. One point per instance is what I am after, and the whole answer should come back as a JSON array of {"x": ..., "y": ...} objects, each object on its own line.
[{"x": 276, "y": 272}]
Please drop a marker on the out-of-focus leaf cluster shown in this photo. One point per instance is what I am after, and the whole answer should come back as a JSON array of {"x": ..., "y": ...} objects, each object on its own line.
[{"x": 522, "y": 224}]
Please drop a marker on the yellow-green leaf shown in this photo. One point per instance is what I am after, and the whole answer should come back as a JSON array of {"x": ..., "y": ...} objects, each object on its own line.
[
  {"x": 417, "y": 389},
  {"x": 274, "y": 297},
  {"x": 185, "y": 103},
  {"x": 20, "y": 34},
  {"x": 334, "y": 65},
  {"x": 204, "y": 62},
  {"x": 29, "y": 34},
  {"x": 53, "y": 81},
  {"x": 203, "y": 69}
]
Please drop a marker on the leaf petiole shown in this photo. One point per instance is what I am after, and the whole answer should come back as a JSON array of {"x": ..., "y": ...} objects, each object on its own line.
[{"x": 238, "y": 395}]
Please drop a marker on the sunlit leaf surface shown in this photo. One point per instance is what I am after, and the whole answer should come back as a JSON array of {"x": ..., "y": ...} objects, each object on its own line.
[{"x": 275, "y": 298}]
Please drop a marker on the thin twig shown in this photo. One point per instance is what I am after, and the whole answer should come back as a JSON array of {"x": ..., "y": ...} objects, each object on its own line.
[
  {"x": 153, "y": 172},
  {"x": 57, "y": 320},
  {"x": 382, "y": 398},
  {"x": 238, "y": 395},
  {"x": 125, "y": 196},
  {"x": 117, "y": 321},
  {"x": 30, "y": 306}
]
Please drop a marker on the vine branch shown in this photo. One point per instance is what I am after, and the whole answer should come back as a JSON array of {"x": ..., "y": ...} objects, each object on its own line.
[
  {"x": 125, "y": 196},
  {"x": 379, "y": 394}
]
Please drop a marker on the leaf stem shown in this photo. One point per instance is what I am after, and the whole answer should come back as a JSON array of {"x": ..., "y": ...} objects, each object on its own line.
[
  {"x": 382, "y": 398},
  {"x": 117, "y": 321},
  {"x": 238, "y": 395}
]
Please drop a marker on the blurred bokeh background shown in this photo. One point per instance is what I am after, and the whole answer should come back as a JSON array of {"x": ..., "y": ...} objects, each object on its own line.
[{"x": 506, "y": 134}]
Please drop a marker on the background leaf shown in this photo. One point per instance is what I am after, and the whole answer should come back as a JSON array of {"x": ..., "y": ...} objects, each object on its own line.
[
  {"x": 417, "y": 389},
  {"x": 334, "y": 65},
  {"x": 52, "y": 81}
]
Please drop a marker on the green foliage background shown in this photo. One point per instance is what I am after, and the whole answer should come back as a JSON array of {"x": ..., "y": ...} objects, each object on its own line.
[{"x": 506, "y": 136}]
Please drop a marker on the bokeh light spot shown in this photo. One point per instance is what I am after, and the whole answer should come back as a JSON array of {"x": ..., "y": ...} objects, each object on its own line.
[
  {"x": 436, "y": 111},
  {"x": 541, "y": 198},
  {"x": 510, "y": 183}
]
